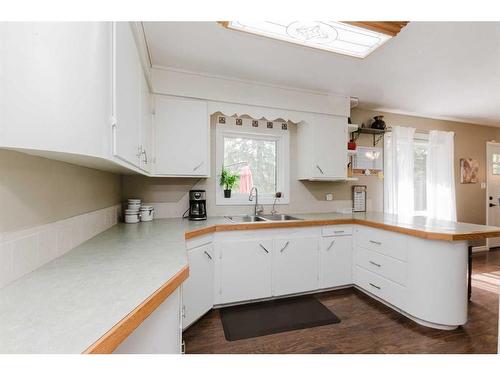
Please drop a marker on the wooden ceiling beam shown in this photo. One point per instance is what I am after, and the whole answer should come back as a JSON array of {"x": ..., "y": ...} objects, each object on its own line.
[{"x": 391, "y": 28}]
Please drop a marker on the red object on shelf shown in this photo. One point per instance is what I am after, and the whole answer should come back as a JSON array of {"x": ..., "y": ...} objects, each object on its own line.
[{"x": 351, "y": 145}]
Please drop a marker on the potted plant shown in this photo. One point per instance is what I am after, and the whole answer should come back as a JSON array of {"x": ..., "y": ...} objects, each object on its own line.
[{"x": 228, "y": 180}]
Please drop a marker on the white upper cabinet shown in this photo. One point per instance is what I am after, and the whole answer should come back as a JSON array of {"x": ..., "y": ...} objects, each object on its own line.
[
  {"x": 127, "y": 89},
  {"x": 55, "y": 87},
  {"x": 182, "y": 135},
  {"x": 322, "y": 148},
  {"x": 146, "y": 147}
]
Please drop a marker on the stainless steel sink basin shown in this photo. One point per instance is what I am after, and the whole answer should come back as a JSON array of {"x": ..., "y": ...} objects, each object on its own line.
[
  {"x": 252, "y": 219},
  {"x": 279, "y": 217},
  {"x": 245, "y": 219}
]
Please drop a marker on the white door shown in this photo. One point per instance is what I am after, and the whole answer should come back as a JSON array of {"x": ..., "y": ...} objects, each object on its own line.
[
  {"x": 182, "y": 131},
  {"x": 127, "y": 95},
  {"x": 245, "y": 270},
  {"x": 493, "y": 189},
  {"x": 295, "y": 265},
  {"x": 198, "y": 289},
  {"x": 335, "y": 261},
  {"x": 330, "y": 147}
]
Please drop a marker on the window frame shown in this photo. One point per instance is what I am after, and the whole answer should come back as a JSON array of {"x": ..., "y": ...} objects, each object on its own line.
[
  {"x": 282, "y": 139},
  {"x": 421, "y": 138}
]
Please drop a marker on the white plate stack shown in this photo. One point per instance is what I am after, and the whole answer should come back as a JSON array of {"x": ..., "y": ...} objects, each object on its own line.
[
  {"x": 136, "y": 212},
  {"x": 132, "y": 213}
]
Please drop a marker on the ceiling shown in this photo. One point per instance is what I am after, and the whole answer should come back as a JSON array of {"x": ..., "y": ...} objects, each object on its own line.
[{"x": 447, "y": 70}]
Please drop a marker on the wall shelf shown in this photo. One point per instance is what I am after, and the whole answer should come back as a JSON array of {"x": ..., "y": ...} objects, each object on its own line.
[{"x": 377, "y": 134}]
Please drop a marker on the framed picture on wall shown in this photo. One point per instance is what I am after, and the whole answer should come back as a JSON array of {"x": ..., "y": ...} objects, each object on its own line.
[{"x": 469, "y": 171}]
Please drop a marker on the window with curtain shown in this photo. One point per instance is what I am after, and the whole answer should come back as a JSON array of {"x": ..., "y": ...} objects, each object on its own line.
[{"x": 419, "y": 174}]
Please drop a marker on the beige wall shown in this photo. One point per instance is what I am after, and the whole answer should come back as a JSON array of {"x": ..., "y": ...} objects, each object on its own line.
[
  {"x": 171, "y": 193},
  {"x": 470, "y": 142},
  {"x": 36, "y": 191}
]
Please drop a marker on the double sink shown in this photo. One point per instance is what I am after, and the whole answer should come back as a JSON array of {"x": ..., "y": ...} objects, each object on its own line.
[{"x": 252, "y": 218}]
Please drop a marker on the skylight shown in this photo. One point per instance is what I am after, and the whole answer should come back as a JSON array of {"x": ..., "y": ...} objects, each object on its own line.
[{"x": 330, "y": 36}]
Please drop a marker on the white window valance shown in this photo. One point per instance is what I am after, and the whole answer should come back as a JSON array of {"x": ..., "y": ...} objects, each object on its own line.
[{"x": 270, "y": 114}]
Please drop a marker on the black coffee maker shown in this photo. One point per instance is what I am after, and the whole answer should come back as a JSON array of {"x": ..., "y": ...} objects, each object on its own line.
[{"x": 197, "y": 205}]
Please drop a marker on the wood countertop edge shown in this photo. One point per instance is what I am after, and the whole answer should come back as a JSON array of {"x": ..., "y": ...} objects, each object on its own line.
[
  {"x": 309, "y": 223},
  {"x": 121, "y": 330}
]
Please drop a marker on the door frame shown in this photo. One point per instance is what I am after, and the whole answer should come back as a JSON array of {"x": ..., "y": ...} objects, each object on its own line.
[{"x": 487, "y": 173}]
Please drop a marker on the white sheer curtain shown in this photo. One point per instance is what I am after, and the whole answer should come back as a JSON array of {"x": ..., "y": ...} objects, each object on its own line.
[
  {"x": 399, "y": 171},
  {"x": 441, "y": 202}
]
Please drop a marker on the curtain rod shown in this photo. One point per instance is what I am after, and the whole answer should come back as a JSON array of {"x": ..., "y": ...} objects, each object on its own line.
[{"x": 416, "y": 130}]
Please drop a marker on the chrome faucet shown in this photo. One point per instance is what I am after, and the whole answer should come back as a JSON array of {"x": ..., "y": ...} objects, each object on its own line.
[{"x": 257, "y": 210}]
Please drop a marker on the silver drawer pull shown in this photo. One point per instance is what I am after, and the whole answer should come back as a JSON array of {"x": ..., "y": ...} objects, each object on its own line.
[
  {"x": 284, "y": 247},
  {"x": 208, "y": 255},
  {"x": 198, "y": 166},
  {"x": 319, "y": 168},
  {"x": 338, "y": 231},
  {"x": 263, "y": 248},
  {"x": 375, "y": 286},
  {"x": 375, "y": 242},
  {"x": 375, "y": 264},
  {"x": 330, "y": 246}
]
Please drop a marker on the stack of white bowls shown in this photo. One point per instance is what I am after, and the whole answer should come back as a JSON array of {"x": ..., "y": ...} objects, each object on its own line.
[{"x": 136, "y": 212}]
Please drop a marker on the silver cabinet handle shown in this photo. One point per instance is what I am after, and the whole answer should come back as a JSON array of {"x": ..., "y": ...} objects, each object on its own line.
[
  {"x": 263, "y": 248},
  {"x": 284, "y": 247},
  {"x": 208, "y": 255},
  {"x": 319, "y": 168},
  {"x": 375, "y": 286},
  {"x": 375, "y": 264},
  {"x": 145, "y": 156},
  {"x": 338, "y": 231},
  {"x": 330, "y": 246},
  {"x": 198, "y": 166},
  {"x": 376, "y": 242}
]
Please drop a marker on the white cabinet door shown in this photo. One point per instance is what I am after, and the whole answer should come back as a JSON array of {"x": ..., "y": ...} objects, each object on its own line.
[
  {"x": 198, "y": 289},
  {"x": 330, "y": 147},
  {"x": 182, "y": 131},
  {"x": 127, "y": 95},
  {"x": 335, "y": 261},
  {"x": 245, "y": 270},
  {"x": 146, "y": 127},
  {"x": 55, "y": 86},
  {"x": 295, "y": 265},
  {"x": 160, "y": 333}
]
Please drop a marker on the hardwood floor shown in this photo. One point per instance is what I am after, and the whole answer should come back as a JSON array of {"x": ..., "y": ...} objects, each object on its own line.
[{"x": 370, "y": 327}]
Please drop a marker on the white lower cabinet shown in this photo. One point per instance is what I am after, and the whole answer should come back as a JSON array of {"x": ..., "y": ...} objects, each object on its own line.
[
  {"x": 295, "y": 267},
  {"x": 335, "y": 261},
  {"x": 198, "y": 289},
  {"x": 160, "y": 333},
  {"x": 245, "y": 270}
]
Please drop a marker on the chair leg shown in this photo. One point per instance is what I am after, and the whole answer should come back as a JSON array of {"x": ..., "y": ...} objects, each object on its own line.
[{"x": 469, "y": 274}]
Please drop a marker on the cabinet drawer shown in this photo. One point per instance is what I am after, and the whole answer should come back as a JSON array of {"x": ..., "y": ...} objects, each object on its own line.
[
  {"x": 382, "y": 241},
  {"x": 381, "y": 287},
  {"x": 390, "y": 268},
  {"x": 336, "y": 230}
]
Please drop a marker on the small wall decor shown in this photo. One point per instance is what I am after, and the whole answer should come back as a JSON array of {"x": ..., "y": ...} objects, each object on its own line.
[
  {"x": 255, "y": 123},
  {"x": 284, "y": 126},
  {"x": 222, "y": 120},
  {"x": 239, "y": 121},
  {"x": 469, "y": 171},
  {"x": 269, "y": 125}
]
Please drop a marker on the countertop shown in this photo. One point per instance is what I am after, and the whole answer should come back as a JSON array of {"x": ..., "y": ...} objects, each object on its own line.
[{"x": 68, "y": 304}]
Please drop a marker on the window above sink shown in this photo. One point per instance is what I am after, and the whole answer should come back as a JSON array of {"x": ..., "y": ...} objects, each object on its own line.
[{"x": 256, "y": 150}]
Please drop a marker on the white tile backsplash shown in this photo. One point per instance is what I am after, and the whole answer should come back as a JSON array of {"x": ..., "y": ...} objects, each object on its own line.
[{"x": 24, "y": 251}]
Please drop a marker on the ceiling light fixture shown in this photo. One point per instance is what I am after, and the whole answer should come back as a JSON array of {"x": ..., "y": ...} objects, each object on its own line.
[{"x": 357, "y": 39}]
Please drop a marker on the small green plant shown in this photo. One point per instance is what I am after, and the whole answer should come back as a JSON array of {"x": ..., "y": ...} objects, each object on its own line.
[{"x": 228, "y": 179}]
